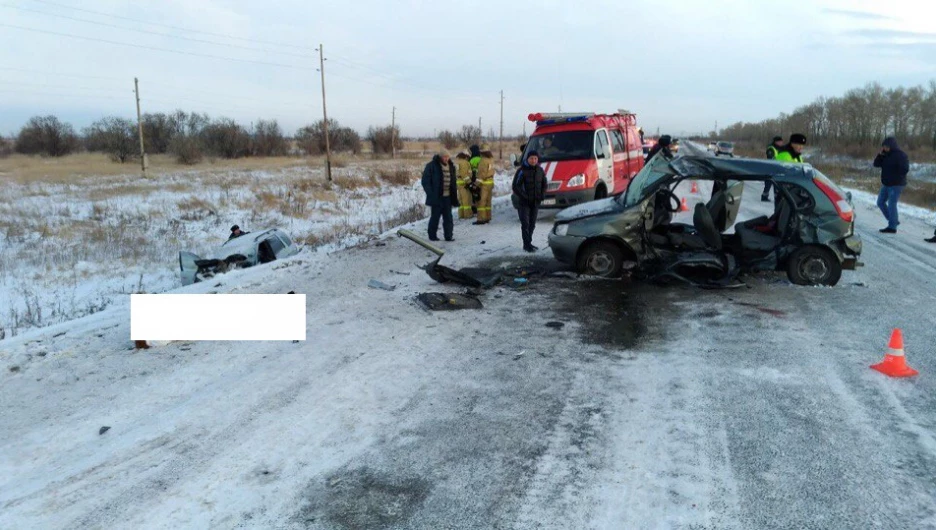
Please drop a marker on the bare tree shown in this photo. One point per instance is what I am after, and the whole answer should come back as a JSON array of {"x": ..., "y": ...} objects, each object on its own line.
[
  {"x": 469, "y": 134},
  {"x": 267, "y": 139},
  {"x": 115, "y": 136},
  {"x": 311, "y": 138},
  {"x": 48, "y": 136},
  {"x": 448, "y": 139},
  {"x": 381, "y": 138}
]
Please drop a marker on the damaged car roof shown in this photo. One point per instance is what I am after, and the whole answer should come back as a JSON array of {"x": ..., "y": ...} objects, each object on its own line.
[{"x": 705, "y": 166}]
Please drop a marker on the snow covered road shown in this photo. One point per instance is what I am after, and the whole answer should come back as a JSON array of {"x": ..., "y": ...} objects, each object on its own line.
[{"x": 649, "y": 407}]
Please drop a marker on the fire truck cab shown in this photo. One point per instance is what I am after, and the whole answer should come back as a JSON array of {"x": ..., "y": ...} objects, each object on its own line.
[{"x": 585, "y": 156}]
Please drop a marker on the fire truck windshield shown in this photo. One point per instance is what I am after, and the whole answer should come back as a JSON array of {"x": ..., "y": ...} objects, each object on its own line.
[{"x": 569, "y": 145}]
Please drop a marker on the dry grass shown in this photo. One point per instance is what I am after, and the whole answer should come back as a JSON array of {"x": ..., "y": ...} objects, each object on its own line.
[
  {"x": 26, "y": 169},
  {"x": 397, "y": 176}
]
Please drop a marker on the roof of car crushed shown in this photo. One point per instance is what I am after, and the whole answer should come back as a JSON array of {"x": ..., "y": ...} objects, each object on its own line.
[{"x": 712, "y": 167}]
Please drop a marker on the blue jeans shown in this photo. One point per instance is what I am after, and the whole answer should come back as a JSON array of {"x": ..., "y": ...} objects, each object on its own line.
[{"x": 887, "y": 202}]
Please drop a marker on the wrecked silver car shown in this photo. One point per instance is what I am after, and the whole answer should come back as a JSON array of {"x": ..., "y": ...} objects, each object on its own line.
[{"x": 253, "y": 248}]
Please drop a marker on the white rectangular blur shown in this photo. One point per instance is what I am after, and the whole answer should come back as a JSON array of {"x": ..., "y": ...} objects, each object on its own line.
[{"x": 217, "y": 317}]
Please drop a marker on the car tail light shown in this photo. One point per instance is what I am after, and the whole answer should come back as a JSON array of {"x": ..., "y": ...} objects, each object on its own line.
[{"x": 842, "y": 206}]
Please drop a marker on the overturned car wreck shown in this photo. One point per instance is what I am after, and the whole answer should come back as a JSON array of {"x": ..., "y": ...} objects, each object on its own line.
[{"x": 244, "y": 251}]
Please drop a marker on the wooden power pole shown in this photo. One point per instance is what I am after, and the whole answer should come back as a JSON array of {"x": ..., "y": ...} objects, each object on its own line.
[
  {"x": 500, "y": 136},
  {"x": 136, "y": 90},
  {"x": 325, "y": 115},
  {"x": 393, "y": 134},
  {"x": 480, "y": 131}
]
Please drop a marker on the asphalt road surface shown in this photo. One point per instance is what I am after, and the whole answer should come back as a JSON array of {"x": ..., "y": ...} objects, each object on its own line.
[{"x": 636, "y": 407}]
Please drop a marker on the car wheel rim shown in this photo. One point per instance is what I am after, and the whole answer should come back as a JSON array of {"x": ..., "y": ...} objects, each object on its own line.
[
  {"x": 600, "y": 263},
  {"x": 814, "y": 269}
]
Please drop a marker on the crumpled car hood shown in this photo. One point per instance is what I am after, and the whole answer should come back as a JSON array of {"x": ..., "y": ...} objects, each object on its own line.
[{"x": 589, "y": 209}]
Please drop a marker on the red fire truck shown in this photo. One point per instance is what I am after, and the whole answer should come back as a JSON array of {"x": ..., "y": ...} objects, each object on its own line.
[{"x": 585, "y": 156}]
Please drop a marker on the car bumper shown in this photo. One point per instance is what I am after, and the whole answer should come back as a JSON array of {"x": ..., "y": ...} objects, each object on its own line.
[
  {"x": 851, "y": 250},
  {"x": 567, "y": 198},
  {"x": 565, "y": 248}
]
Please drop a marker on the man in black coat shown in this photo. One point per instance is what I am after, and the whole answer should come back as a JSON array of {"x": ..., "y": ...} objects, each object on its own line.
[
  {"x": 530, "y": 187},
  {"x": 894, "y": 166},
  {"x": 438, "y": 179},
  {"x": 662, "y": 145}
]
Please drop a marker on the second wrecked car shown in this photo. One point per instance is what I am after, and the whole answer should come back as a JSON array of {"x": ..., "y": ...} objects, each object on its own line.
[{"x": 250, "y": 249}]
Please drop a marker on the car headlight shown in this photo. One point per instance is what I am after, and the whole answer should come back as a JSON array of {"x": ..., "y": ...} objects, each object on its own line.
[
  {"x": 577, "y": 180},
  {"x": 561, "y": 229}
]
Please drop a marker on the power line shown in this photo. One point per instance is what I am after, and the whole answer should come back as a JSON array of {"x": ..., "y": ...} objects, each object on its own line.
[
  {"x": 105, "y": 24},
  {"x": 174, "y": 27},
  {"x": 64, "y": 87},
  {"x": 194, "y": 54},
  {"x": 27, "y": 70}
]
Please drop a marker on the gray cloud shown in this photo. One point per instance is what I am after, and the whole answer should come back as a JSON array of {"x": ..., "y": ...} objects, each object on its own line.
[
  {"x": 860, "y": 15},
  {"x": 876, "y": 33}
]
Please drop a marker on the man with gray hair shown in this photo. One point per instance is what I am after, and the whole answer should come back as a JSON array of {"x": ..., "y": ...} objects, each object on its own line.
[{"x": 439, "y": 182}]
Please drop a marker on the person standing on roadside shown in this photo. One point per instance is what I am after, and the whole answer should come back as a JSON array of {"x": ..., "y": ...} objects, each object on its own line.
[
  {"x": 793, "y": 150},
  {"x": 894, "y": 166},
  {"x": 463, "y": 182},
  {"x": 438, "y": 180},
  {"x": 474, "y": 186},
  {"x": 530, "y": 186},
  {"x": 662, "y": 145},
  {"x": 775, "y": 146},
  {"x": 485, "y": 177}
]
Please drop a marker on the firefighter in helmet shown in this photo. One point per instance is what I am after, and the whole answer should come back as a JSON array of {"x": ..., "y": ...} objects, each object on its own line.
[
  {"x": 486, "y": 181},
  {"x": 465, "y": 175}
]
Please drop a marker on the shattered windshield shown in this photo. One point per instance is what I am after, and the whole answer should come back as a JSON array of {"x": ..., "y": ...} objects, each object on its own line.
[
  {"x": 655, "y": 171},
  {"x": 569, "y": 145}
]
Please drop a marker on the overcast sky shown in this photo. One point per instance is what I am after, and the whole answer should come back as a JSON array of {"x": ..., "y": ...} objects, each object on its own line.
[{"x": 681, "y": 65}]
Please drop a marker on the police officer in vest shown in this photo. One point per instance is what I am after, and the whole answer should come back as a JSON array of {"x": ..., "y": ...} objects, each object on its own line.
[{"x": 772, "y": 151}]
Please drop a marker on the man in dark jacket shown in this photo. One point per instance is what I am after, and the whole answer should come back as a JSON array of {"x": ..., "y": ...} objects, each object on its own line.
[
  {"x": 236, "y": 232},
  {"x": 662, "y": 145},
  {"x": 438, "y": 179},
  {"x": 530, "y": 187},
  {"x": 775, "y": 146},
  {"x": 894, "y": 166}
]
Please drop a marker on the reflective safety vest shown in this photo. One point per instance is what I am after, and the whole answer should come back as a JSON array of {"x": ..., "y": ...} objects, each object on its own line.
[
  {"x": 772, "y": 152},
  {"x": 788, "y": 156}
]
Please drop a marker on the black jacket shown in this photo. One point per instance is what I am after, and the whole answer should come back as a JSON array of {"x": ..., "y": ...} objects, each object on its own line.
[
  {"x": 432, "y": 182},
  {"x": 530, "y": 184},
  {"x": 894, "y": 165},
  {"x": 656, "y": 149}
]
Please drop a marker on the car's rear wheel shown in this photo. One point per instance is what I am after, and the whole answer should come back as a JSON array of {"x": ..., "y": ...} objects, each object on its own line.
[
  {"x": 814, "y": 266},
  {"x": 601, "y": 258}
]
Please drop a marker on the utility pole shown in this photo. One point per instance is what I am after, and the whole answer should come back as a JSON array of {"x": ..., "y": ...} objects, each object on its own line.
[
  {"x": 325, "y": 114},
  {"x": 393, "y": 134},
  {"x": 480, "y": 131},
  {"x": 500, "y": 138},
  {"x": 136, "y": 90}
]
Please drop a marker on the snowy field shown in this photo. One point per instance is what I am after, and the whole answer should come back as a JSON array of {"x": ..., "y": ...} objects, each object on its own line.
[{"x": 73, "y": 249}]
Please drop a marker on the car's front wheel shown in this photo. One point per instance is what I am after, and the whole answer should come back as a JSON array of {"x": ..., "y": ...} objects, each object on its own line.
[
  {"x": 814, "y": 266},
  {"x": 601, "y": 258}
]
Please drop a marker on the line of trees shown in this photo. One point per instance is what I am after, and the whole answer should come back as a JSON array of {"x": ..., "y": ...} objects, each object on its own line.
[
  {"x": 854, "y": 123},
  {"x": 188, "y": 136}
]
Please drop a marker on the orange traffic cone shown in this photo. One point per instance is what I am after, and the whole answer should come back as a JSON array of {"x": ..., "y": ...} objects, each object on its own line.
[
  {"x": 894, "y": 363},
  {"x": 685, "y": 207},
  {"x": 695, "y": 187}
]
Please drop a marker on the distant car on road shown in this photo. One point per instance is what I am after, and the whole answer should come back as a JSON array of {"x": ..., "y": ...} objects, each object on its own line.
[
  {"x": 811, "y": 234},
  {"x": 724, "y": 149},
  {"x": 711, "y": 146},
  {"x": 238, "y": 253}
]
